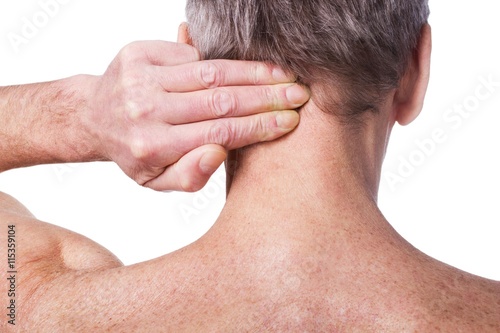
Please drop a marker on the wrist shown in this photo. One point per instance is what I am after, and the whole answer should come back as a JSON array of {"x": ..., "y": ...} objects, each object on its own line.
[{"x": 86, "y": 141}]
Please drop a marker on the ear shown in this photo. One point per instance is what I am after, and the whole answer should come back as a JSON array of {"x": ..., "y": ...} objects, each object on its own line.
[
  {"x": 183, "y": 34},
  {"x": 409, "y": 97}
]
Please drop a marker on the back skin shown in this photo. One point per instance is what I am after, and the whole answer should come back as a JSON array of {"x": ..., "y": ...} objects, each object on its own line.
[{"x": 299, "y": 247}]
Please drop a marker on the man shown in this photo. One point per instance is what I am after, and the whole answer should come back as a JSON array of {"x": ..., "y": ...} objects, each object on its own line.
[
  {"x": 300, "y": 245},
  {"x": 165, "y": 117},
  {"x": 309, "y": 199}
]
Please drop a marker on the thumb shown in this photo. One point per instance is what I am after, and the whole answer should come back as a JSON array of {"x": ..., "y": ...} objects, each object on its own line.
[{"x": 192, "y": 171}]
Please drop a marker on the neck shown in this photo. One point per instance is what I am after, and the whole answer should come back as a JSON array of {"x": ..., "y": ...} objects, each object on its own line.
[{"x": 322, "y": 169}]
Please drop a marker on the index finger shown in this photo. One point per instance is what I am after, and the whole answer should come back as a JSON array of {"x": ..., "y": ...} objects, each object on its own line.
[{"x": 209, "y": 74}]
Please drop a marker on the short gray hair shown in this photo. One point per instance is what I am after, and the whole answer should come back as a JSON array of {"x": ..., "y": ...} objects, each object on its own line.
[{"x": 362, "y": 48}]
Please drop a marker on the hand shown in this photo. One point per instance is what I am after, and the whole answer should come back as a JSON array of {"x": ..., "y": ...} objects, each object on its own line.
[{"x": 168, "y": 119}]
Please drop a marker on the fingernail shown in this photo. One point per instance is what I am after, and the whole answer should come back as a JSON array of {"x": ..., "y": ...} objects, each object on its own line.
[
  {"x": 280, "y": 76},
  {"x": 297, "y": 95},
  {"x": 211, "y": 161},
  {"x": 287, "y": 120}
]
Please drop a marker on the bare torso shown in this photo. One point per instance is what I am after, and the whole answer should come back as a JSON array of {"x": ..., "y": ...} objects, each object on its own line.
[{"x": 252, "y": 279}]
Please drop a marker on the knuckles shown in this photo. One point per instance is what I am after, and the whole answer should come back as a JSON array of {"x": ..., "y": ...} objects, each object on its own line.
[
  {"x": 136, "y": 110},
  {"x": 130, "y": 52},
  {"x": 220, "y": 133},
  {"x": 210, "y": 74},
  {"x": 141, "y": 147},
  {"x": 222, "y": 103},
  {"x": 134, "y": 95}
]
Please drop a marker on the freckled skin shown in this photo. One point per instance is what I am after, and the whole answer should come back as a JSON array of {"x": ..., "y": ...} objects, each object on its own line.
[
  {"x": 244, "y": 276},
  {"x": 300, "y": 246}
]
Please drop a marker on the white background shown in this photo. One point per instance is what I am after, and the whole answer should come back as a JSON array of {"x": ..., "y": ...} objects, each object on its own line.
[{"x": 447, "y": 207}]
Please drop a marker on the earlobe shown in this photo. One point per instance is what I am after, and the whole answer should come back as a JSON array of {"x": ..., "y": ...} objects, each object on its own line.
[
  {"x": 183, "y": 34},
  {"x": 409, "y": 99}
]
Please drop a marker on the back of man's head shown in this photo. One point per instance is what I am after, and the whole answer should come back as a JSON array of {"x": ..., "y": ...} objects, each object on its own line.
[{"x": 351, "y": 52}]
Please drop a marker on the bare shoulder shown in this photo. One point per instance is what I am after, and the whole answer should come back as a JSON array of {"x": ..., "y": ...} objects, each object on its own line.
[
  {"x": 454, "y": 298},
  {"x": 9, "y": 205},
  {"x": 44, "y": 240},
  {"x": 40, "y": 253}
]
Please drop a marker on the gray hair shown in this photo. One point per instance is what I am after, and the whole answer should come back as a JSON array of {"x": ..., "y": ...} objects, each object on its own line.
[{"x": 362, "y": 48}]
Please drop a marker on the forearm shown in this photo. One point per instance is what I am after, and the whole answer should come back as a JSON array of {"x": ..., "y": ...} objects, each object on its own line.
[{"x": 42, "y": 123}]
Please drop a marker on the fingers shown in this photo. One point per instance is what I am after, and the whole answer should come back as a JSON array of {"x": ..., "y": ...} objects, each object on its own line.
[
  {"x": 192, "y": 171},
  {"x": 160, "y": 53},
  {"x": 188, "y": 112},
  {"x": 235, "y": 133},
  {"x": 229, "y": 102},
  {"x": 219, "y": 73},
  {"x": 182, "y": 142}
]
